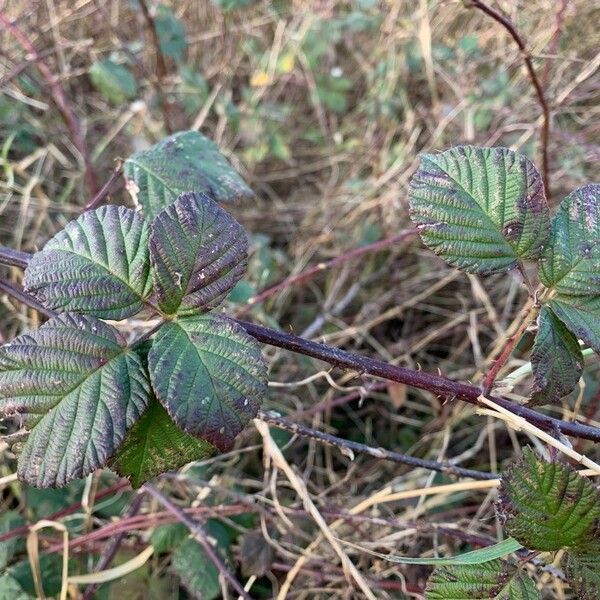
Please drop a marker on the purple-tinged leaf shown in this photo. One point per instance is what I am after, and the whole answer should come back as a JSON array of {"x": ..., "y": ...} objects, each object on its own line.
[
  {"x": 198, "y": 253},
  {"x": 97, "y": 265},
  {"x": 556, "y": 360},
  {"x": 78, "y": 389},
  {"x": 481, "y": 209},
  {"x": 210, "y": 376}
]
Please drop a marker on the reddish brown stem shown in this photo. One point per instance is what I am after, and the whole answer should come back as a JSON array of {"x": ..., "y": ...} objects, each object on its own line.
[
  {"x": 323, "y": 266},
  {"x": 60, "y": 100},
  {"x": 99, "y": 198},
  {"x": 435, "y": 384},
  {"x": 200, "y": 535},
  {"x": 161, "y": 65},
  {"x": 539, "y": 90},
  {"x": 528, "y": 317}
]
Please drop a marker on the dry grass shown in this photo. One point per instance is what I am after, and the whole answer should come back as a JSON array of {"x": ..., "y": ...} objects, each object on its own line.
[{"x": 414, "y": 88}]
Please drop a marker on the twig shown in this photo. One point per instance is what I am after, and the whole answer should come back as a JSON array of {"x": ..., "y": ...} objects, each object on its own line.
[
  {"x": 60, "y": 100},
  {"x": 105, "y": 189},
  {"x": 14, "y": 258},
  {"x": 199, "y": 535},
  {"x": 161, "y": 65},
  {"x": 323, "y": 266},
  {"x": 10, "y": 288},
  {"x": 539, "y": 90},
  {"x": 112, "y": 547},
  {"x": 348, "y": 447},
  {"x": 529, "y": 315},
  {"x": 435, "y": 384}
]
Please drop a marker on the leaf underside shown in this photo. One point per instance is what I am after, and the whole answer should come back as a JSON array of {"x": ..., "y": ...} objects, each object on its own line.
[
  {"x": 496, "y": 580},
  {"x": 198, "y": 253},
  {"x": 547, "y": 506},
  {"x": 155, "y": 445},
  {"x": 210, "y": 376},
  {"x": 480, "y": 209},
  {"x": 78, "y": 389},
  {"x": 183, "y": 162},
  {"x": 582, "y": 569},
  {"x": 556, "y": 360},
  {"x": 97, "y": 265}
]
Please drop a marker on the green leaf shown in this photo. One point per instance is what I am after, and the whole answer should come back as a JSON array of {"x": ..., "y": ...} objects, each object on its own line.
[
  {"x": 481, "y": 209},
  {"x": 198, "y": 253},
  {"x": 556, "y": 360},
  {"x": 114, "y": 81},
  {"x": 581, "y": 315},
  {"x": 571, "y": 261},
  {"x": 184, "y": 162},
  {"x": 171, "y": 33},
  {"x": 9, "y": 548},
  {"x": 210, "y": 376},
  {"x": 50, "y": 571},
  {"x": 97, "y": 265},
  {"x": 78, "y": 388},
  {"x": 155, "y": 445},
  {"x": 475, "y": 557},
  {"x": 197, "y": 572},
  {"x": 496, "y": 579},
  {"x": 11, "y": 590},
  {"x": 547, "y": 506},
  {"x": 582, "y": 569},
  {"x": 166, "y": 537}
]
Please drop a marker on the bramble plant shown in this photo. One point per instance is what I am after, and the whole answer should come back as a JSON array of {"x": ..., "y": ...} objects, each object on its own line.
[{"x": 184, "y": 389}]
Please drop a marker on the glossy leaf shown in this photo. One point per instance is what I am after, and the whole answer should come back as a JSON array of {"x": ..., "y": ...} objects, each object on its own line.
[
  {"x": 198, "y": 253},
  {"x": 571, "y": 261},
  {"x": 184, "y": 162},
  {"x": 556, "y": 360},
  {"x": 496, "y": 580},
  {"x": 97, "y": 265},
  {"x": 581, "y": 315},
  {"x": 78, "y": 388},
  {"x": 547, "y": 506},
  {"x": 481, "y": 209},
  {"x": 210, "y": 376},
  {"x": 155, "y": 445},
  {"x": 582, "y": 568}
]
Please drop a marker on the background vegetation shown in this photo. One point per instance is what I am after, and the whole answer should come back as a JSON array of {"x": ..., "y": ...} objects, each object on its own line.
[{"x": 323, "y": 108}]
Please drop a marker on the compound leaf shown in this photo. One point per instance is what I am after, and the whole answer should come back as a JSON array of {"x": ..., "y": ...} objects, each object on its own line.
[
  {"x": 78, "y": 389},
  {"x": 210, "y": 376},
  {"x": 556, "y": 360},
  {"x": 155, "y": 445},
  {"x": 582, "y": 569},
  {"x": 98, "y": 265},
  {"x": 571, "y": 260},
  {"x": 186, "y": 161},
  {"x": 547, "y": 506},
  {"x": 497, "y": 579},
  {"x": 481, "y": 209},
  {"x": 581, "y": 315},
  {"x": 198, "y": 253}
]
